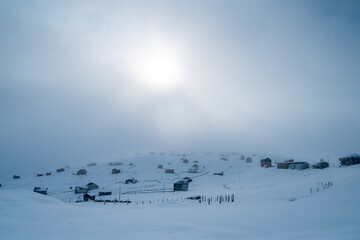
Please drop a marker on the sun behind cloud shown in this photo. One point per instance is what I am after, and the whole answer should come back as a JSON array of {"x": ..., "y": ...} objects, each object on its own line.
[{"x": 158, "y": 65}]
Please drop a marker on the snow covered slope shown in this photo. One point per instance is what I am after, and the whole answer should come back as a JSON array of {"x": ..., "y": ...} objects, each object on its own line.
[{"x": 269, "y": 203}]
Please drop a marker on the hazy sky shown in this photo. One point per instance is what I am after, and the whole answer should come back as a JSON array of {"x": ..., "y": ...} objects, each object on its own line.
[{"x": 92, "y": 80}]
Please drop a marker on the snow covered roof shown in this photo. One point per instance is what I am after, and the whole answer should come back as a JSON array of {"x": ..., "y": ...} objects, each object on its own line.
[{"x": 353, "y": 155}]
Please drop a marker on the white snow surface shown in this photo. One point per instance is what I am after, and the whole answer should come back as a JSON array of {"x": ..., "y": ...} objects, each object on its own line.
[{"x": 269, "y": 203}]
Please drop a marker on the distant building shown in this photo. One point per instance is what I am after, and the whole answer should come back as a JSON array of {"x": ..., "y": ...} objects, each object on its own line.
[
  {"x": 265, "y": 162},
  {"x": 104, "y": 193},
  {"x": 284, "y": 165},
  {"x": 82, "y": 172},
  {"x": 115, "y": 171},
  {"x": 169, "y": 171},
  {"x": 79, "y": 189},
  {"x": 39, "y": 175},
  {"x": 320, "y": 165},
  {"x": 181, "y": 186},
  {"x": 48, "y": 173},
  {"x": 91, "y": 186},
  {"x": 195, "y": 166},
  {"x": 299, "y": 165},
  {"x": 115, "y": 163},
  {"x": 88, "y": 197},
  {"x": 41, "y": 190},
  {"x": 350, "y": 160},
  {"x": 130, "y": 180},
  {"x": 16, "y": 177},
  {"x": 192, "y": 170},
  {"x": 60, "y": 170}
]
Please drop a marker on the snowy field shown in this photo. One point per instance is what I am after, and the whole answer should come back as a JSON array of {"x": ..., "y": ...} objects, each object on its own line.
[{"x": 269, "y": 203}]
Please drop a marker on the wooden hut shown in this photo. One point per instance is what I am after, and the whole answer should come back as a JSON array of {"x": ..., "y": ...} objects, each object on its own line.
[
  {"x": 350, "y": 160},
  {"x": 195, "y": 166},
  {"x": 104, "y": 193},
  {"x": 169, "y": 171},
  {"x": 41, "y": 190},
  {"x": 91, "y": 186},
  {"x": 320, "y": 165},
  {"x": 192, "y": 170},
  {"x": 299, "y": 165},
  {"x": 88, "y": 197},
  {"x": 115, "y": 171},
  {"x": 79, "y": 189},
  {"x": 181, "y": 186},
  {"x": 284, "y": 165},
  {"x": 82, "y": 172},
  {"x": 265, "y": 162},
  {"x": 131, "y": 180}
]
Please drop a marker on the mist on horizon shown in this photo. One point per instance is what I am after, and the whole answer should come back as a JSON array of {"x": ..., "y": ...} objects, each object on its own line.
[{"x": 94, "y": 81}]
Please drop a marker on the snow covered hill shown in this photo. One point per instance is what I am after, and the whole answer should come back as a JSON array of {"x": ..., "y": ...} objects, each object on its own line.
[{"x": 269, "y": 203}]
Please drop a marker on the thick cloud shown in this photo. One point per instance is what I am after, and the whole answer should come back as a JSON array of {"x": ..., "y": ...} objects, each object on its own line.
[{"x": 275, "y": 77}]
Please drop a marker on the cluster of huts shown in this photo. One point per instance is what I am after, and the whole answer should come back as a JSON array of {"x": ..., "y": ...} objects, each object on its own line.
[
  {"x": 291, "y": 164},
  {"x": 183, "y": 185},
  {"x": 350, "y": 160}
]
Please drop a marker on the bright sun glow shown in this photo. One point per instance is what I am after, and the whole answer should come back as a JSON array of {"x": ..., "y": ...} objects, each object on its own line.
[{"x": 158, "y": 66}]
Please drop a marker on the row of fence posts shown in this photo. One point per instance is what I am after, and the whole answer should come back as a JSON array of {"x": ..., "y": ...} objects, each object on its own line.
[
  {"x": 203, "y": 199},
  {"x": 323, "y": 185}
]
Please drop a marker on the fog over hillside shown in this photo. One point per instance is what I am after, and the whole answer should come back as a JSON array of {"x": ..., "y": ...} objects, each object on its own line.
[{"x": 96, "y": 81}]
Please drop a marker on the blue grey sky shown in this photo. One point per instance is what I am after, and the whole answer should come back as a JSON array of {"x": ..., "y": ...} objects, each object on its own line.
[{"x": 94, "y": 80}]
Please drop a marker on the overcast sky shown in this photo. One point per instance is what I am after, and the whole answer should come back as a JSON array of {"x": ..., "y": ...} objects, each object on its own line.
[{"x": 271, "y": 77}]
